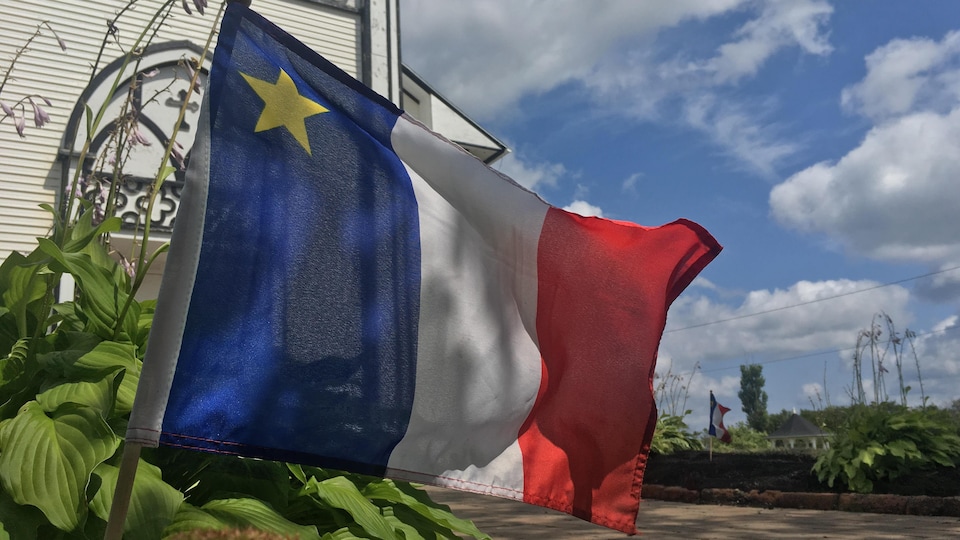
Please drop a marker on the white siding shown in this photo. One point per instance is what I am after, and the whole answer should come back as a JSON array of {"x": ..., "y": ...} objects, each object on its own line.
[{"x": 29, "y": 171}]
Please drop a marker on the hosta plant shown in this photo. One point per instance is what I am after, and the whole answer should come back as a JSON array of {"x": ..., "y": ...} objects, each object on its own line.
[{"x": 886, "y": 442}]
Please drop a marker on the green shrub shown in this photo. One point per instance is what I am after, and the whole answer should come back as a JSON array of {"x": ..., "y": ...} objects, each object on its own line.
[
  {"x": 743, "y": 439},
  {"x": 885, "y": 442},
  {"x": 672, "y": 435}
]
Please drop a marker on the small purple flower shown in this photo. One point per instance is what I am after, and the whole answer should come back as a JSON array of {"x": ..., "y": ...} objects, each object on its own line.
[
  {"x": 130, "y": 267},
  {"x": 150, "y": 74},
  {"x": 60, "y": 41},
  {"x": 74, "y": 190},
  {"x": 99, "y": 204},
  {"x": 136, "y": 136},
  {"x": 177, "y": 154},
  {"x": 191, "y": 73},
  {"x": 199, "y": 4},
  {"x": 20, "y": 124},
  {"x": 6, "y": 109},
  {"x": 40, "y": 116}
]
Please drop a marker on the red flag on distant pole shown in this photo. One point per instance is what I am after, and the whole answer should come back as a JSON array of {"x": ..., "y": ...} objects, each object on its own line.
[{"x": 716, "y": 420}]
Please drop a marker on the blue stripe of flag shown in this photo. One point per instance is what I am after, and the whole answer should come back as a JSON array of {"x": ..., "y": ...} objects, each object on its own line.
[{"x": 308, "y": 282}]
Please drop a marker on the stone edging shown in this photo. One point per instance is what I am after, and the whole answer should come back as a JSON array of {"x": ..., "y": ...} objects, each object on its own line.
[{"x": 919, "y": 505}]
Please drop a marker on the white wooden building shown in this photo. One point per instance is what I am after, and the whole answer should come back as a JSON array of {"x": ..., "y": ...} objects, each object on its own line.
[
  {"x": 798, "y": 433},
  {"x": 360, "y": 36}
]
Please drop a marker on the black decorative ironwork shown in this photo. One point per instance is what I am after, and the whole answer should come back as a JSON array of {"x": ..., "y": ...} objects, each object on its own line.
[{"x": 132, "y": 198}]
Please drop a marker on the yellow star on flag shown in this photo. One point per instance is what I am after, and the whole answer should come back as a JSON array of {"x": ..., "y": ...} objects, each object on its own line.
[{"x": 284, "y": 107}]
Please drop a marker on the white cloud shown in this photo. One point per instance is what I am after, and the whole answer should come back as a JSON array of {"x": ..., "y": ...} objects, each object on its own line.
[
  {"x": 781, "y": 23},
  {"x": 530, "y": 175},
  {"x": 889, "y": 198},
  {"x": 907, "y": 75},
  {"x": 494, "y": 54},
  {"x": 630, "y": 184},
  {"x": 486, "y": 55},
  {"x": 647, "y": 87},
  {"x": 584, "y": 209},
  {"x": 782, "y": 331},
  {"x": 742, "y": 134},
  {"x": 943, "y": 285},
  {"x": 813, "y": 392},
  {"x": 937, "y": 352}
]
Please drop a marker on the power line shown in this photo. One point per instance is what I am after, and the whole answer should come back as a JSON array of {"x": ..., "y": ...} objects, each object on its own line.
[
  {"x": 821, "y": 353},
  {"x": 782, "y": 308}
]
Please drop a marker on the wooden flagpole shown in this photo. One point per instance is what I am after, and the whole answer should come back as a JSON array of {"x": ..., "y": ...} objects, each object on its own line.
[{"x": 123, "y": 491}]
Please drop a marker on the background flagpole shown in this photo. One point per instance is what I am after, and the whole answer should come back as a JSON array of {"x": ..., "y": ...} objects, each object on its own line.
[
  {"x": 710, "y": 426},
  {"x": 121, "y": 495}
]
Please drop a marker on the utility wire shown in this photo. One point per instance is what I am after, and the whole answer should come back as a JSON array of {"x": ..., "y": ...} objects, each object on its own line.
[
  {"x": 830, "y": 351},
  {"x": 782, "y": 308}
]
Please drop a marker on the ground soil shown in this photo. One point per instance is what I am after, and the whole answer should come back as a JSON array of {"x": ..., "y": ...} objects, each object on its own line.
[{"x": 779, "y": 471}]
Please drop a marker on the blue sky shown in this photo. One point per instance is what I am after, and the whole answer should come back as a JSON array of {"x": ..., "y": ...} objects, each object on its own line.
[{"x": 818, "y": 140}]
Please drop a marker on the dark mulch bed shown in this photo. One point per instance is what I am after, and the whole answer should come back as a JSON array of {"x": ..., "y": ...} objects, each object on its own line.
[{"x": 779, "y": 471}]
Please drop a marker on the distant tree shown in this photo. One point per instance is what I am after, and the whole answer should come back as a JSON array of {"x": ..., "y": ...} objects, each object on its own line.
[
  {"x": 752, "y": 397},
  {"x": 954, "y": 410},
  {"x": 775, "y": 420}
]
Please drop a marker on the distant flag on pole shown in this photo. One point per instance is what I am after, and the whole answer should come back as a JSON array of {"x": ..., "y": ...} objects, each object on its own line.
[
  {"x": 716, "y": 420},
  {"x": 347, "y": 289}
]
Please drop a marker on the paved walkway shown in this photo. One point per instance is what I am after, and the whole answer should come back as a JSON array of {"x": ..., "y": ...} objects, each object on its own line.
[{"x": 503, "y": 518}]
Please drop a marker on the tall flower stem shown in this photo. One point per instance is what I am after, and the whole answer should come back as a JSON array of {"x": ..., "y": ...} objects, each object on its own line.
[{"x": 163, "y": 172}]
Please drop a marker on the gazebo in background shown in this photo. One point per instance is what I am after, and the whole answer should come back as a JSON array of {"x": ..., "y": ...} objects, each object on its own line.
[{"x": 800, "y": 434}]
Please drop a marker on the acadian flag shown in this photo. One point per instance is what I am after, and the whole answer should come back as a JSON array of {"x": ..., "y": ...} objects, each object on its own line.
[
  {"x": 716, "y": 420},
  {"x": 347, "y": 289}
]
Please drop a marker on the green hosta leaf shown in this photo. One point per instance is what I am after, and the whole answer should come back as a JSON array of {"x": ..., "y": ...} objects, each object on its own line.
[
  {"x": 100, "y": 298},
  {"x": 340, "y": 492},
  {"x": 109, "y": 354},
  {"x": 83, "y": 231},
  {"x": 245, "y": 513},
  {"x": 68, "y": 347},
  {"x": 97, "y": 392},
  {"x": 23, "y": 286},
  {"x": 14, "y": 364},
  {"x": 418, "y": 501},
  {"x": 20, "y": 379},
  {"x": 901, "y": 448},
  {"x": 340, "y": 534},
  {"x": 18, "y": 522},
  {"x": 229, "y": 476},
  {"x": 190, "y": 518},
  {"x": 66, "y": 314},
  {"x": 106, "y": 356},
  {"x": 153, "y": 503},
  {"x": 47, "y": 462}
]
